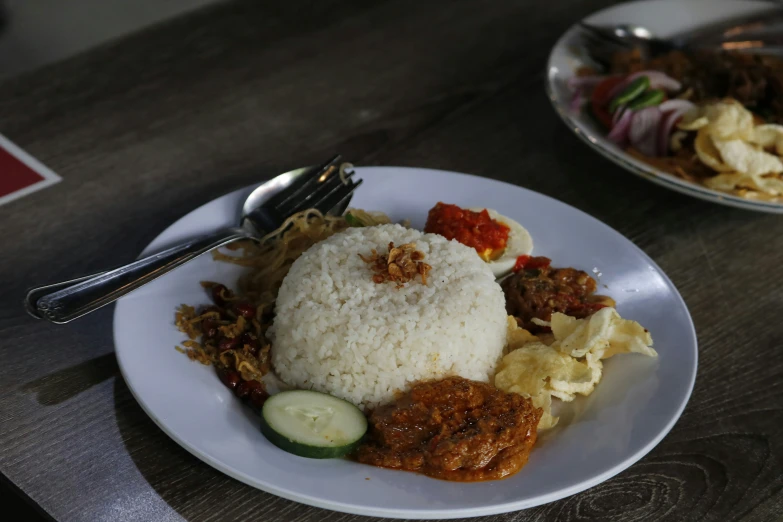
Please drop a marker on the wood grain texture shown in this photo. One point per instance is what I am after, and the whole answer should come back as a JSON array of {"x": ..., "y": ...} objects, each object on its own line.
[{"x": 146, "y": 129}]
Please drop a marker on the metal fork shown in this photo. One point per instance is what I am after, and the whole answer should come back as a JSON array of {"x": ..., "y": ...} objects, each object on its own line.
[
  {"x": 323, "y": 187},
  {"x": 762, "y": 32}
]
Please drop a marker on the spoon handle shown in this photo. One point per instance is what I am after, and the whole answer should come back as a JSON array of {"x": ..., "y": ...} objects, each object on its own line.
[
  {"x": 760, "y": 26},
  {"x": 64, "y": 302}
]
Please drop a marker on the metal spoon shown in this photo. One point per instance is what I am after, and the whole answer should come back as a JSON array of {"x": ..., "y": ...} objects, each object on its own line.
[
  {"x": 264, "y": 210},
  {"x": 762, "y": 32}
]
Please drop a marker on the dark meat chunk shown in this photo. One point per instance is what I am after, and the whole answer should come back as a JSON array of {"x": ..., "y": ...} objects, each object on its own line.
[{"x": 538, "y": 292}]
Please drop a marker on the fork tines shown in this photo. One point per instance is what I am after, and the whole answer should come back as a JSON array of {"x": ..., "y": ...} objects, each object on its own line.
[
  {"x": 336, "y": 198},
  {"x": 306, "y": 183},
  {"x": 329, "y": 192}
]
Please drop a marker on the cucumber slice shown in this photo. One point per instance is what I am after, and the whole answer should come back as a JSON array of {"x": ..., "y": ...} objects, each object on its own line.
[{"x": 311, "y": 424}]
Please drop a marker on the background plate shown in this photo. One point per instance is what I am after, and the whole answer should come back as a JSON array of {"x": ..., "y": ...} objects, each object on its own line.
[
  {"x": 663, "y": 18},
  {"x": 635, "y": 405}
]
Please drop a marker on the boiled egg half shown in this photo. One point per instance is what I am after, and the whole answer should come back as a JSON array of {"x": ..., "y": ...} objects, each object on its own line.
[{"x": 519, "y": 243}]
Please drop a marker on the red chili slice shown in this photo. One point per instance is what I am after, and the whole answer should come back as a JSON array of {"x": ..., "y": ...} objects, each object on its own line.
[
  {"x": 531, "y": 263},
  {"x": 599, "y": 104}
]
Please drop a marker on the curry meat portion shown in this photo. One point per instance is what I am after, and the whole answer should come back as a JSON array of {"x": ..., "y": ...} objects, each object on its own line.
[{"x": 453, "y": 429}]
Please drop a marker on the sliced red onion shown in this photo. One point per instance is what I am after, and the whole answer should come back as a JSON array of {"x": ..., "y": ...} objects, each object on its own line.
[
  {"x": 658, "y": 80},
  {"x": 670, "y": 119},
  {"x": 576, "y": 82},
  {"x": 675, "y": 104},
  {"x": 643, "y": 133},
  {"x": 577, "y": 100},
  {"x": 619, "y": 132}
]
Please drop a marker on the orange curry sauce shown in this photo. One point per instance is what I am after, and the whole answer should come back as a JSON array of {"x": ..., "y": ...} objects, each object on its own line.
[{"x": 474, "y": 229}]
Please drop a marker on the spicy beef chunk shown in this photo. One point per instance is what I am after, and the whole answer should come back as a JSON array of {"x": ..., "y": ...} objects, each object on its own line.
[{"x": 537, "y": 290}]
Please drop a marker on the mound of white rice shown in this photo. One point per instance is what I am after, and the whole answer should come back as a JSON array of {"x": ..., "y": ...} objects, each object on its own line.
[{"x": 338, "y": 332}]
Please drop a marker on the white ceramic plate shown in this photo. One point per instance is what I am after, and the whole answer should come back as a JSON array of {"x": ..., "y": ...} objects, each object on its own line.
[
  {"x": 663, "y": 18},
  {"x": 635, "y": 405}
]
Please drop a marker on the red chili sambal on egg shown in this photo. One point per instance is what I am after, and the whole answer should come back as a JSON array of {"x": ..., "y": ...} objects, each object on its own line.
[{"x": 474, "y": 229}]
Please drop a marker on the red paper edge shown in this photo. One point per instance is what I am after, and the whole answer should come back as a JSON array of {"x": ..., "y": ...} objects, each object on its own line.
[{"x": 50, "y": 178}]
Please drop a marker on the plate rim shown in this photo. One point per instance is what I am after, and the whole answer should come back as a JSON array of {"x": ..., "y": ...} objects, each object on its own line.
[
  {"x": 442, "y": 514},
  {"x": 624, "y": 160}
]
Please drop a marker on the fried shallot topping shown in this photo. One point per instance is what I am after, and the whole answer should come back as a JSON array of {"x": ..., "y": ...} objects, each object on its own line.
[{"x": 400, "y": 265}]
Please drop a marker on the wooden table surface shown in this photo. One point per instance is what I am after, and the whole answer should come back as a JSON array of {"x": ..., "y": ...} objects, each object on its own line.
[{"x": 150, "y": 127}]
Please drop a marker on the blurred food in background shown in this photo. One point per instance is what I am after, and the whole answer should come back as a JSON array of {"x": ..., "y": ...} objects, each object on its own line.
[{"x": 712, "y": 118}]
